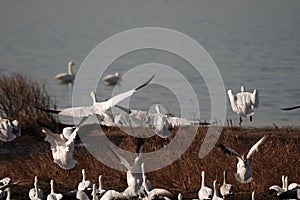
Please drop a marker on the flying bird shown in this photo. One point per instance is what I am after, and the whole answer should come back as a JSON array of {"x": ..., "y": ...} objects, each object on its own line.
[
  {"x": 244, "y": 169},
  {"x": 243, "y": 103}
]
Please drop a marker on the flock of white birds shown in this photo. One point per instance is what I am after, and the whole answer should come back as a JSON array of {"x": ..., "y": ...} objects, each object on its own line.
[{"x": 139, "y": 186}]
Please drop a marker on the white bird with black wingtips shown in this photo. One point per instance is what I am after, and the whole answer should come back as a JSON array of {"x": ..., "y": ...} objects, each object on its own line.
[{"x": 244, "y": 169}]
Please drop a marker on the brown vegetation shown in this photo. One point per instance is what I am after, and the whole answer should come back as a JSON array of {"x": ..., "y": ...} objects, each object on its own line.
[
  {"x": 19, "y": 98},
  {"x": 280, "y": 155}
]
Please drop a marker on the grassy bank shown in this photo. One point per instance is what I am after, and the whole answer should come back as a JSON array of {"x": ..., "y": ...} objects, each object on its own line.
[{"x": 280, "y": 155}]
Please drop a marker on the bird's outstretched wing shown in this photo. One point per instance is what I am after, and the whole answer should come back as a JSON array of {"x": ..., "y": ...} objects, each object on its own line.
[
  {"x": 229, "y": 151},
  {"x": 255, "y": 147},
  {"x": 116, "y": 99},
  {"x": 232, "y": 99},
  {"x": 255, "y": 98},
  {"x": 74, "y": 133},
  {"x": 291, "y": 108},
  {"x": 53, "y": 138}
]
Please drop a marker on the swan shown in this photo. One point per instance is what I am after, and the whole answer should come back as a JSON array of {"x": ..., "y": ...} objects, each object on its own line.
[
  {"x": 204, "y": 192},
  {"x": 146, "y": 183},
  {"x": 85, "y": 184},
  {"x": 226, "y": 188},
  {"x": 100, "y": 191},
  {"x": 156, "y": 121},
  {"x": 36, "y": 193},
  {"x": 100, "y": 109},
  {"x": 81, "y": 195},
  {"x": 215, "y": 196},
  {"x": 53, "y": 195},
  {"x": 291, "y": 108},
  {"x": 9, "y": 130},
  {"x": 243, "y": 103},
  {"x": 244, "y": 171},
  {"x": 94, "y": 193},
  {"x": 112, "y": 79},
  {"x": 5, "y": 188},
  {"x": 67, "y": 77},
  {"x": 291, "y": 185},
  {"x": 134, "y": 174},
  {"x": 277, "y": 188},
  {"x": 113, "y": 194},
  {"x": 62, "y": 145},
  {"x": 253, "y": 195}
]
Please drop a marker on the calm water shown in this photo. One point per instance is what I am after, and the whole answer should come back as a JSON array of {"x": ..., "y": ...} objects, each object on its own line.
[{"x": 255, "y": 43}]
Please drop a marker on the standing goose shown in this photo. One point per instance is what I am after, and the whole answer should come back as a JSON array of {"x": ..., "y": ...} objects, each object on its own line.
[
  {"x": 67, "y": 77},
  {"x": 101, "y": 109},
  {"x": 53, "y": 195},
  {"x": 215, "y": 196},
  {"x": 62, "y": 145},
  {"x": 243, "y": 103},
  {"x": 226, "y": 188},
  {"x": 85, "y": 184},
  {"x": 204, "y": 192},
  {"x": 36, "y": 193},
  {"x": 244, "y": 171}
]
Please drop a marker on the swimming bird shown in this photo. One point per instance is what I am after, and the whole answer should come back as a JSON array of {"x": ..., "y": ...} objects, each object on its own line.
[
  {"x": 244, "y": 171},
  {"x": 85, "y": 184},
  {"x": 53, "y": 195},
  {"x": 112, "y": 79},
  {"x": 9, "y": 130},
  {"x": 226, "y": 188},
  {"x": 36, "y": 193},
  {"x": 291, "y": 108},
  {"x": 67, "y": 77},
  {"x": 215, "y": 195},
  {"x": 243, "y": 103},
  {"x": 100, "y": 109},
  {"x": 204, "y": 192},
  {"x": 62, "y": 145}
]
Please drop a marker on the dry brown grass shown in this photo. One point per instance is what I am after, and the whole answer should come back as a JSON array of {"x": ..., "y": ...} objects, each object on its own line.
[
  {"x": 280, "y": 155},
  {"x": 18, "y": 98}
]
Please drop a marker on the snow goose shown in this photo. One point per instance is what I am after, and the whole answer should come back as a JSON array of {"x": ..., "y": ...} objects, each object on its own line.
[
  {"x": 67, "y": 77},
  {"x": 156, "y": 121},
  {"x": 134, "y": 174},
  {"x": 215, "y": 195},
  {"x": 100, "y": 109},
  {"x": 53, "y": 195},
  {"x": 62, "y": 145},
  {"x": 36, "y": 193},
  {"x": 226, "y": 188},
  {"x": 112, "y": 79},
  {"x": 85, "y": 184},
  {"x": 244, "y": 171},
  {"x": 243, "y": 103},
  {"x": 204, "y": 192},
  {"x": 277, "y": 188},
  {"x": 291, "y": 108},
  {"x": 8, "y": 130}
]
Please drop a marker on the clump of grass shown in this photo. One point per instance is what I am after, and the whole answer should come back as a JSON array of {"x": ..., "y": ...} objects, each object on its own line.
[{"x": 19, "y": 97}]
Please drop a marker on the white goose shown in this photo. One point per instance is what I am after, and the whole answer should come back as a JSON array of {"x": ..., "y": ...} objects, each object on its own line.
[
  {"x": 53, "y": 195},
  {"x": 204, "y": 192},
  {"x": 215, "y": 196},
  {"x": 36, "y": 193},
  {"x": 226, "y": 188},
  {"x": 112, "y": 79},
  {"x": 62, "y": 145},
  {"x": 244, "y": 171},
  {"x": 243, "y": 103},
  {"x": 85, "y": 184},
  {"x": 67, "y": 77},
  {"x": 100, "y": 109},
  {"x": 157, "y": 121},
  {"x": 9, "y": 130}
]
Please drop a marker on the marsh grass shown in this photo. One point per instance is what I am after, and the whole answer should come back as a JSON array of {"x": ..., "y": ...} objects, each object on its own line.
[
  {"x": 278, "y": 156},
  {"x": 19, "y": 97}
]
